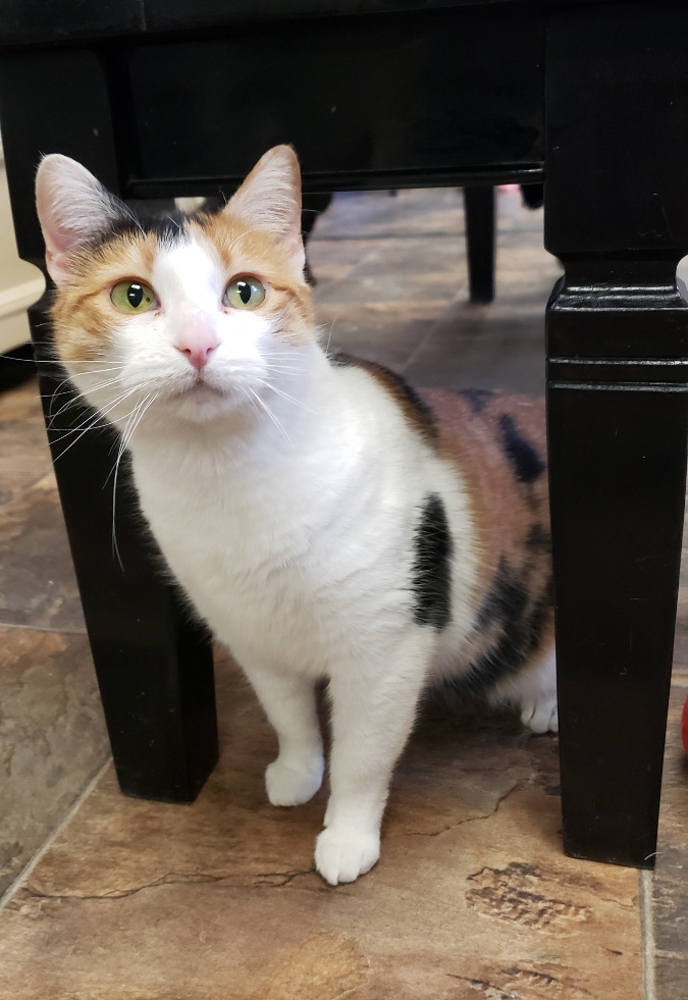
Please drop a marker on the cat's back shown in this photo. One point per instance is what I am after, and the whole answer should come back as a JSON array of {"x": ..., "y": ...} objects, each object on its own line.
[
  {"x": 497, "y": 440},
  {"x": 497, "y": 437}
]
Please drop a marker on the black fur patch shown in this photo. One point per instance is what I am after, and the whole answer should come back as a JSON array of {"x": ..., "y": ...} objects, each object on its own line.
[
  {"x": 505, "y": 601},
  {"x": 431, "y": 580},
  {"x": 538, "y": 539},
  {"x": 160, "y": 217},
  {"x": 524, "y": 459},
  {"x": 422, "y": 415},
  {"x": 167, "y": 226},
  {"x": 477, "y": 398},
  {"x": 517, "y": 624}
]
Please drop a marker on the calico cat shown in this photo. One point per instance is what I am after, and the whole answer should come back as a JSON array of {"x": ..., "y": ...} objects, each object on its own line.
[{"x": 325, "y": 519}]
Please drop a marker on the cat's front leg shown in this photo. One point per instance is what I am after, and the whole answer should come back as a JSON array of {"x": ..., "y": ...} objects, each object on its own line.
[
  {"x": 289, "y": 703},
  {"x": 373, "y": 710}
]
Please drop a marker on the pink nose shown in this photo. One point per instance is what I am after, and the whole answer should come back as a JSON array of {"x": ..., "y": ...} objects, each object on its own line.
[
  {"x": 197, "y": 342},
  {"x": 198, "y": 356}
]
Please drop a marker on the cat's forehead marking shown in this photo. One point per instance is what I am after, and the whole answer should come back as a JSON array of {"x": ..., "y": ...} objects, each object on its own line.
[{"x": 188, "y": 268}]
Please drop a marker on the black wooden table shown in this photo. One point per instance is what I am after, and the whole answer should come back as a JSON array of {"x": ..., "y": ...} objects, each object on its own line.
[{"x": 163, "y": 98}]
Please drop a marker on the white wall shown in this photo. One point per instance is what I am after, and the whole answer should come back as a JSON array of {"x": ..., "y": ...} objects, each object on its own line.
[{"x": 20, "y": 283}]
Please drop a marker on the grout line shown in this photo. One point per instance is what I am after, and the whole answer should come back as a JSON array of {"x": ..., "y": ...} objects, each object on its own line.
[
  {"x": 50, "y": 840},
  {"x": 422, "y": 342},
  {"x": 647, "y": 932},
  {"x": 450, "y": 234},
  {"x": 22, "y": 626}
]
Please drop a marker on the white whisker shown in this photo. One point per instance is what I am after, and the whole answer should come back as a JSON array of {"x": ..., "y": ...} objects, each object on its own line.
[
  {"x": 51, "y": 361},
  {"x": 91, "y": 423},
  {"x": 285, "y": 395},
  {"x": 77, "y": 399},
  {"x": 270, "y": 414},
  {"x": 329, "y": 338},
  {"x": 283, "y": 369},
  {"x": 92, "y": 426}
]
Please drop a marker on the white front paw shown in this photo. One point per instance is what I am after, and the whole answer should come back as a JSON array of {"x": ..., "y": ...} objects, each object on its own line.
[
  {"x": 290, "y": 786},
  {"x": 540, "y": 714},
  {"x": 344, "y": 853}
]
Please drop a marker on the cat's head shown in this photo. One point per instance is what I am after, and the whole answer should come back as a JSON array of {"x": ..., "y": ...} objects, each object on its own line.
[{"x": 194, "y": 316}]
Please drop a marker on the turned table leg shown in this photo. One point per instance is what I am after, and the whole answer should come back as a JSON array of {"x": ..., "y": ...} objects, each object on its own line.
[{"x": 616, "y": 214}]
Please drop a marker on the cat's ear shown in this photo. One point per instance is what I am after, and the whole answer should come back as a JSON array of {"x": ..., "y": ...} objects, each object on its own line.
[
  {"x": 270, "y": 199},
  {"x": 73, "y": 208}
]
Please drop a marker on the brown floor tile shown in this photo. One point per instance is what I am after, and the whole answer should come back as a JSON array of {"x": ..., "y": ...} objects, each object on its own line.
[
  {"x": 38, "y": 587},
  {"x": 398, "y": 270},
  {"x": 387, "y": 335},
  {"x": 37, "y": 583},
  {"x": 24, "y": 454},
  {"x": 52, "y": 737},
  {"x": 476, "y": 347},
  {"x": 219, "y": 899},
  {"x": 392, "y": 286},
  {"x": 21, "y": 404}
]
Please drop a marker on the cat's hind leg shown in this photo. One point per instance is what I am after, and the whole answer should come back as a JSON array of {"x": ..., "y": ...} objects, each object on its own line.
[
  {"x": 289, "y": 703},
  {"x": 534, "y": 691}
]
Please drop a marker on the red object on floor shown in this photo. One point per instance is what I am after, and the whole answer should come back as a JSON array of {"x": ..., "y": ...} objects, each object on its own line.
[{"x": 684, "y": 726}]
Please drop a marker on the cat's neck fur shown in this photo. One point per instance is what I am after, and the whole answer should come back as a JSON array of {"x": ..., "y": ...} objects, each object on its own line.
[
  {"x": 268, "y": 433},
  {"x": 267, "y": 475}
]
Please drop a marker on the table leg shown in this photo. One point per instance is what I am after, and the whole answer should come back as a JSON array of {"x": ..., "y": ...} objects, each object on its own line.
[
  {"x": 153, "y": 662},
  {"x": 618, "y": 470},
  {"x": 479, "y": 211},
  {"x": 616, "y": 214}
]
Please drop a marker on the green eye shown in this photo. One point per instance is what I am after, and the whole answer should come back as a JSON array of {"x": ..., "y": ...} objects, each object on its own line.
[
  {"x": 133, "y": 297},
  {"x": 244, "y": 293}
]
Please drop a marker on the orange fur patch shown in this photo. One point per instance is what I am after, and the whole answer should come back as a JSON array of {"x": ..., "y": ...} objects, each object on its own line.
[
  {"x": 246, "y": 250},
  {"x": 511, "y": 514},
  {"x": 84, "y": 319}
]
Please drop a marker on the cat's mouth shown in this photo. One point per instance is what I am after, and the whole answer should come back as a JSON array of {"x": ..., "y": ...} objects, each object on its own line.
[
  {"x": 204, "y": 387},
  {"x": 202, "y": 398},
  {"x": 210, "y": 394},
  {"x": 201, "y": 388}
]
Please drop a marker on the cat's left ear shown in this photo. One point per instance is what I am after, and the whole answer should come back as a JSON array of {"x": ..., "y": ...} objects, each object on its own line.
[
  {"x": 73, "y": 207},
  {"x": 270, "y": 199}
]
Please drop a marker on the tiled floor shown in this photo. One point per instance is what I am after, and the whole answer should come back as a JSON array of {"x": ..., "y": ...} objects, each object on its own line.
[{"x": 473, "y": 896}]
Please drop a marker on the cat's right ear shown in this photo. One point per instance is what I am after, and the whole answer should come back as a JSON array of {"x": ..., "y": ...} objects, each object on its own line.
[{"x": 73, "y": 207}]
